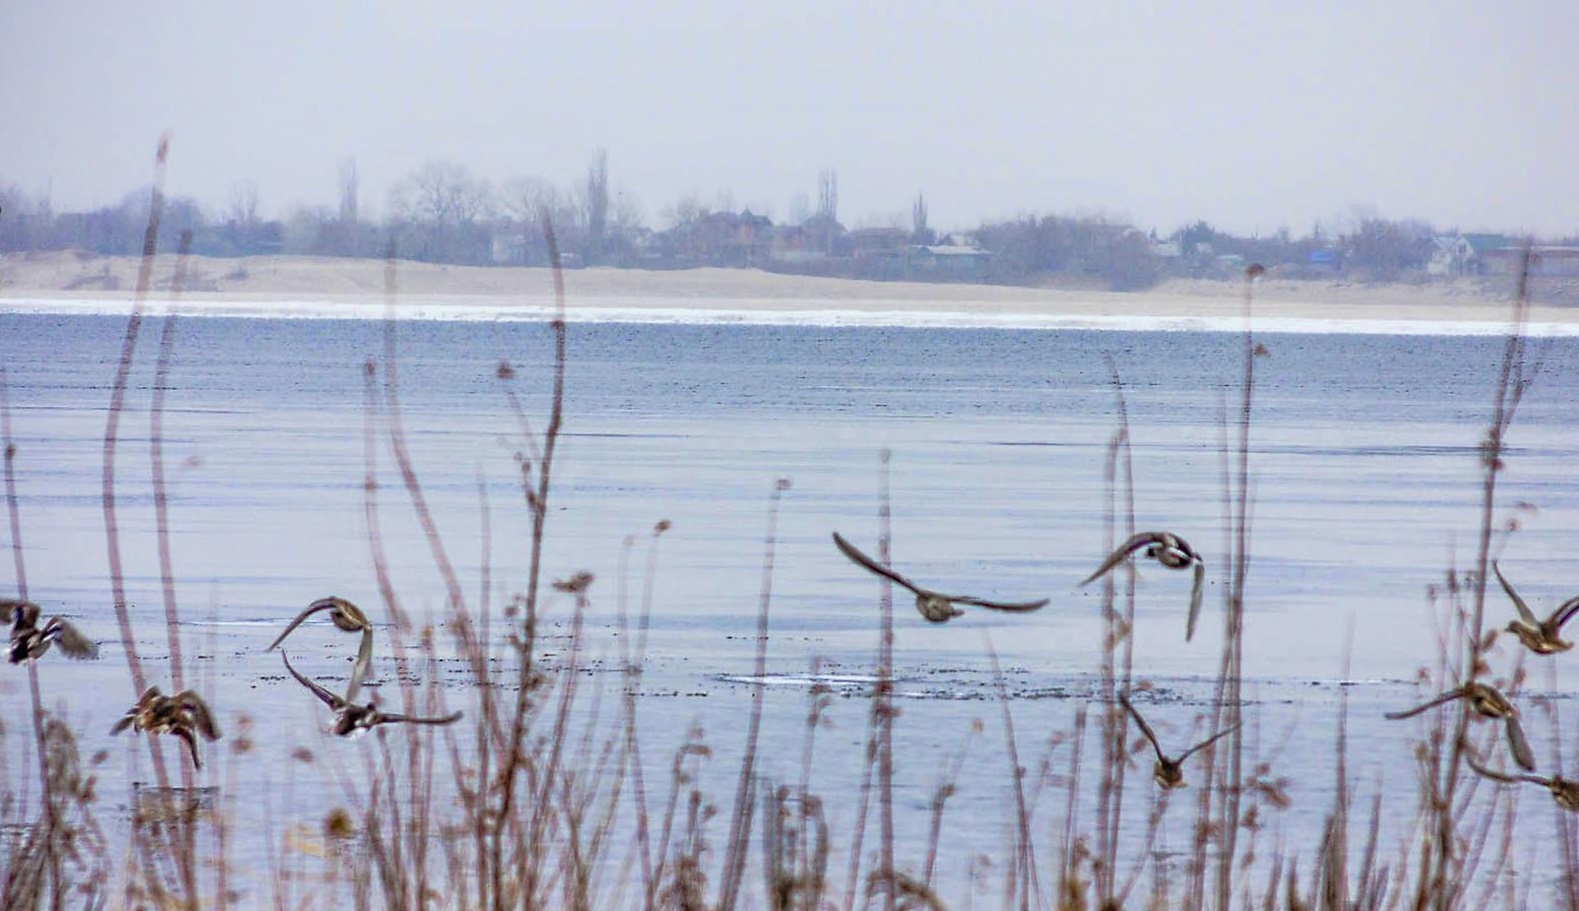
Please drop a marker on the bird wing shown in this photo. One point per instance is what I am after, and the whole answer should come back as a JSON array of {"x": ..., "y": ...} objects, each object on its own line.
[
  {"x": 1525, "y": 614},
  {"x": 1196, "y": 588},
  {"x": 1017, "y": 606},
  {"x": 125, "y": 722},
  {"x": 871, "y": 565},
  {"x": 1206, "y": 743},
  {"x": 23, "y": 614},
  {"x": 1144, "y": 727},
  {"x": 364, "y": 659},
  {"x": 191, "y": 745},
  {"x": 1522, "y": 754},
  {"x": 411, "y": 719},
  {"x": 1448, "y": 696},
  {"x": 1560, "y": 616},
  {"x": 71, "y": 642},
  {"x": 312, "y": 608},
  {"x": 347, "y": 609},
  {"x": 326, "y": 697},
  {"x": 204, "y": 719},
  {"x": 1474, "y": 763},
  {"x": 1136, "y": 542}
]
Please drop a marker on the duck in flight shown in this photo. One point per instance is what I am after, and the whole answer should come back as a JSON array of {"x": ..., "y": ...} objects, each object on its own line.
[
  {"x": 1171, "y": 551},
  {"x": 184, "y": 715},
  {"x": 29, "y": 640},
  {"x": 348, "y": 617},
  {"x": 1539, "y": 636},
  {"x": 351, "y": 718},
  {"x": 1564, "y": 792},
  {"x": 1488, "y": 702},
  {"x": 935, "y": 607},
  {"x": 1169, "y": 773}
]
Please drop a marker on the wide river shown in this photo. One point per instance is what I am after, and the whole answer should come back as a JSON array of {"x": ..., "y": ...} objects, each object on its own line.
[{"x": 1366, "y": 487}]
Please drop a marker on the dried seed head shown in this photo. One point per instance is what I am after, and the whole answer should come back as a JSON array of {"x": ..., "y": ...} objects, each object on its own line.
[
  {"x": 505, "y": 371},
  {"x": 576, "y": 584},
  {"x": 337, "y": 824}
]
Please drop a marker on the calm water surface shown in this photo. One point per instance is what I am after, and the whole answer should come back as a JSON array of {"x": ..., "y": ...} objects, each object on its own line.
[{"x": 1365, "y": 489}]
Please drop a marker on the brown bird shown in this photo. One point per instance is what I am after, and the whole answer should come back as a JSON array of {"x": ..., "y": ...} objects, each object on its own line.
[
  {"x": 184, "y": 715},
  {"x": 1539, "y": 636},
  {"x": 1169, "y": 773},
  {"x": 1171, "y": 551},
  {"x": 350, "y": 718},
  {"x": 1564, "y": 792},
  {"x": 346, "y": 616},
  {"x": 1486, "y": 701},
  {"x": 29, "y": 640},
  {"x": 934, "y": 606}
]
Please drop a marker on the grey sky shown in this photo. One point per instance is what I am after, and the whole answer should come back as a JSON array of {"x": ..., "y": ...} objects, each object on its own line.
[{"x": 1250, "y": 115}]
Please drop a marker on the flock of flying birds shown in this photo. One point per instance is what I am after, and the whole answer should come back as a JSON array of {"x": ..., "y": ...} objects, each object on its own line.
[
  {"x": 1480, "y": 699},
  {"x": 186, "y": 716}
]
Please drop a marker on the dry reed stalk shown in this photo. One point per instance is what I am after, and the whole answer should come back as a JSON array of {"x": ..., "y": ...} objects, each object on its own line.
[
  {"x": 881, "y": 703},
  {"x": 1069, "y": 884},
  {"x": 111, "y": 524},
  {"x": 46, "y": 795},
  {"x": 514, "y": 761},
  {"x": 634, "y": 658},
  {"x": 734, "y": 864},
  {"x": 1118, "y": 649},
  {"x": 185, "y": 829},
  {"x": 1022, "y": 885},
  {"x": 111, "y": 428},
  {"x": 884, "y": 702}
]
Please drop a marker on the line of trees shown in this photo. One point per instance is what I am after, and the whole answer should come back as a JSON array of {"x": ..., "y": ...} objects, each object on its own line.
[{"x": 441, "y": 212}]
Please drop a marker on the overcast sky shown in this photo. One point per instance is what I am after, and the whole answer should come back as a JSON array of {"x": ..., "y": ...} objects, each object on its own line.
[{"x": 1250, "y": 115}]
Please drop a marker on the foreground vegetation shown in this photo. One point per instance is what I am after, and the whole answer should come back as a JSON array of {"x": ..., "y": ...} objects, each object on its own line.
[{"x": 539, "y": 797}]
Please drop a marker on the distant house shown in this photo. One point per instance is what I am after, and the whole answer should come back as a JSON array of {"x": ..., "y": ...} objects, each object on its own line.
[
  {"x": 1464, "y": 254},
  {"x": 803, "y": 243},
  {"x": 951, "y": 260},
  {"x": 1549, "y": 261},
  {"x": 865, "y": 243},
  {"x": 1166, "y": 249}
]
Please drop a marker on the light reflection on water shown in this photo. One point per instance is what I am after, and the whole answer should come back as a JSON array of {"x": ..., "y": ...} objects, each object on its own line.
[{"x": 1366, "y": 490}]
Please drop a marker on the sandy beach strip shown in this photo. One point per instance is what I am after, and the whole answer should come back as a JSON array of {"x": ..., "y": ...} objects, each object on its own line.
[{"x": 305, "y": 287}]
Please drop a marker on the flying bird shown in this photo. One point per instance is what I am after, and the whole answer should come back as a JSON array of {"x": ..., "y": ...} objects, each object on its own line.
[
  {"x": 184, "y": 715},
  {"x": 1539, "y": 636},
  {"x": 1171, "y": 551},
  {"x": 29, "y": 640},
  {"x": 1564, "y": 792},
  {"x": 1169, "y": 773},
  {"x": 348, "y": 617},
  {"x": 934, "y": 606},
  {"x": 1488, "y": 702},
  {"x": 350, "y": 718}
]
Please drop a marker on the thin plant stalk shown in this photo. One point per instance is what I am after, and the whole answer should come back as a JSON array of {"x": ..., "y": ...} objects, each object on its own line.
[{"x": 734, "y": 864}]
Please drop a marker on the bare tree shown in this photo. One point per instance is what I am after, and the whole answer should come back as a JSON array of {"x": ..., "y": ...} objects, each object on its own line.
[
  {"x": 596, "y": 204},
  {"x": 441, "y": 205},
  {"x": 349, "y": 185},
  {"x": 828, "y": 194},
  {"x": 828, "y": 206},
  {"x": 919, "y": 232},
  {"x": 527, "y": 199},
  {"x": 243, "y": 208}
]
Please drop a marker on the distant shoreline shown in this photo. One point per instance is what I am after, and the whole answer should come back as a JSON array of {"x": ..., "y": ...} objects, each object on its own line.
[{"x": 304, "y": 285}]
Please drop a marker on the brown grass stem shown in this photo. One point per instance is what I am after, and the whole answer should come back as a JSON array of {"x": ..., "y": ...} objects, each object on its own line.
[{"x": 739, "y": 840}]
